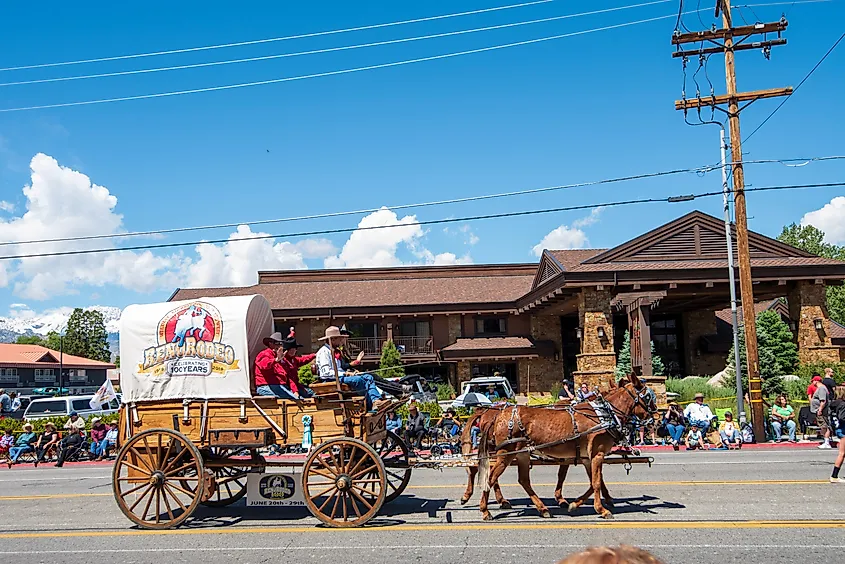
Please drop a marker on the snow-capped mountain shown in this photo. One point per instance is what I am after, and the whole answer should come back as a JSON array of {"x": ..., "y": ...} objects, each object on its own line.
[{"x": 30, "y": 323}]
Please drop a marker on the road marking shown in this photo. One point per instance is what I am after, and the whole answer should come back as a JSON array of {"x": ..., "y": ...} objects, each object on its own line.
[
  {"x": 835, "y": 524},
  {"x": 459, "y": 486},
  {"x": 45, "y": 478},
  {"x": 379, "y": 548}
]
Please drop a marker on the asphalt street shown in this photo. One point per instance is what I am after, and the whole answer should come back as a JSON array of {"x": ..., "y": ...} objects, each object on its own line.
[{"x": 753, "y": 505}]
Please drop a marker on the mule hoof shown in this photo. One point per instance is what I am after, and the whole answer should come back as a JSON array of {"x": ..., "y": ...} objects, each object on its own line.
[
  {"x": 546, "y": 514},
  {"x": 606, "y": 515},
  {"x": 572, "y": 507},
  {"x": 487, "y": 517},
  {"x": 464, "y": 501},
  {"x": 505, "y": 505},
  {"x": 562, "y": 503}
]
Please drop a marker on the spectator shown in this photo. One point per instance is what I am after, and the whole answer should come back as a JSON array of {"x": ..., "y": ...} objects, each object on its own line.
[
  {"x": 607, "y": 555},
  {"x": 394, "y": 422},
  {"x": 48, "y": 439},
  {"x": 448, "y": 424},
  {"x": 7, "y": 441},
  {"x": 415, "y": 429},
  {"x": 814, "y": 385},
  {"x": 820, "y": 405},
  {"x": 783, "y": 415},
  {"x": 492, "y": 394},
  {"x": 69, "y": 446},
  {"x": 674, "y": 421},
  {"x": 22, "y": 445},
  {"x": 565, "y": 393},
  {"x": 837, "y": 406},
  {"x": 111, "y": 438},
  {"x": 695, "y": 439},
  {"x": 98, "y": 438},
  {"x": 584, "y": 393},
  {"x": 698, "y": 413},
  {"x": 729, "y": 432},
  {"x": 475, "y": 431},
  {"x": 5, "y": 402},
  {"x": 15, "y": 401},
  {"x": 75, "y": 422}
]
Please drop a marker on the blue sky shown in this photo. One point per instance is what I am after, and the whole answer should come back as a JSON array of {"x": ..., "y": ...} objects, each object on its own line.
[{"x": 576, "y": 109}]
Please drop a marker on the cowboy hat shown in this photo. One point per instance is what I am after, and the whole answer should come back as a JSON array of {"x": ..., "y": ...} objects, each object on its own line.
[
  {"x": 96, "y": 420},
  {"x": 50, "y": 424},
  {"x": 290, "y": 343},
  {"x": 699, "y": 395},
  {"x": 331, "y": 332},
  {"x": 27, "y": 426},
  {"x": 344, "y": 331},
  {"x": 275, "y": 337}
]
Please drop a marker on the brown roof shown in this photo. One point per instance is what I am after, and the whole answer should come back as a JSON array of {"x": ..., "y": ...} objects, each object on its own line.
[
  {"x": 35, "y": 356},
  {"x": 494, "y": 347},
  {"x": 383, "y": 288},
  {"x": 571, "y": 258},
  {"x": 705, "y": 264},
  {"x": 759, "y": 307},
  {"x": 490, "y": 343},
  {"x": 837, "y": 332}
]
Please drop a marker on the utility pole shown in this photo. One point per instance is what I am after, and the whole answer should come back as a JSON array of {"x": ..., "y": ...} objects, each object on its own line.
[{"x": 728, "y": 40}]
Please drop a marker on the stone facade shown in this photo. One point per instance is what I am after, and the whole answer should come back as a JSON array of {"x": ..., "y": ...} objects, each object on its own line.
[
  {"x": 697, "y": 324},
  {"x": 540, "y": 374},
  {"x": 318, "y": 329},
  {"x": 464, "y": 371},
  {"x": 597, "y": 360},
  {"x": 454, "y": 328},
  {"x": 807, "y": 302}
]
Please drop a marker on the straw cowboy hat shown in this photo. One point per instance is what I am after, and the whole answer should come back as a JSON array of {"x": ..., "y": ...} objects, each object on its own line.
[
  {"x": 699, "y": 396},
  {"x": 27, "y": 426},
  {"x": 49, "y": 424},
  {"x": 274, "y": 338},
  {"x": 332, "y": 332}
]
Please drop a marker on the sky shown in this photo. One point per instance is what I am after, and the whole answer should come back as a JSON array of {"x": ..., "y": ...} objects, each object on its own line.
[{"x": 589, "y": 106}]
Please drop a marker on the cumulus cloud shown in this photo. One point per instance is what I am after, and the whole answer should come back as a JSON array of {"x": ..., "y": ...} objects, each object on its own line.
[
  {"x": 371, "y": 247},
  {"x": 830, "y": 219},
  {"x": 566, "y": 236},
  {"x": 7, "y": 206},
  {"x": 61, "y": 202}
]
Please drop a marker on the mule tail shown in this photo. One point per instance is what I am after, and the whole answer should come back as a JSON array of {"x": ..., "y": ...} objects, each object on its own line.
[{"x": 484, "y": 461}]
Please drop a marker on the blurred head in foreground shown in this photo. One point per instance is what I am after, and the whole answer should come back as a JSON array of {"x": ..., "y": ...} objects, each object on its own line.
[{"x": 607, "y": 555}]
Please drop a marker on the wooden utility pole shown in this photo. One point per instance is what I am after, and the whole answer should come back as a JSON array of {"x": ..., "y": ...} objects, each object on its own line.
[{"x": 729, "y": 39}]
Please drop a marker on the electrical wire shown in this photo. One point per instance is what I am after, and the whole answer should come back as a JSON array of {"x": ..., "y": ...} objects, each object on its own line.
[
  {"x": 332, "y": 49},
  {"x": 337, "y": 72},
  {"x": 671, "y": 199},
  {"x": 275, "y": 39},
  {"x": 794, "y": 90},
  {"x": 803, "y": 161}
]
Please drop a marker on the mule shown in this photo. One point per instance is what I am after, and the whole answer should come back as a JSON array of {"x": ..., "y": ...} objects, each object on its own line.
[{"x": 499, "y": 443}]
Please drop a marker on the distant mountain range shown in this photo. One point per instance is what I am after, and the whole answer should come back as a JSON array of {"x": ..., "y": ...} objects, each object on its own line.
[{"x": 55, "y": 320}]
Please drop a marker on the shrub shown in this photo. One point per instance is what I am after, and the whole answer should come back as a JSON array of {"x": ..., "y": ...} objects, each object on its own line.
[
  {"x": 432, "y": 408},
  {"x": 445, "y": 392},
  {"x": 59, "y": 421},
  {"x": 306, "y": 376},
  {"x": 623, "y": 363},
  {"x": 556, "y": 390},
  {"x": 390, "y": 365},
  {"x": 806, "y": 371},
  {"x": 687, "y": 388}
]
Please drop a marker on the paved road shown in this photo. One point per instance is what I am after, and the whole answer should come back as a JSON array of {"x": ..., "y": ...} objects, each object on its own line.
[{"x": 772, "y": 506}]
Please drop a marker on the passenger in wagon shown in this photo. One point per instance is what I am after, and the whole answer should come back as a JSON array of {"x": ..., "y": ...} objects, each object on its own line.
[
  {"x": 276, "y": 368},
  {"x": 291, "y": 364},
  {"x": 395, "y": 389},
  {"x": 326, "y": 363}
]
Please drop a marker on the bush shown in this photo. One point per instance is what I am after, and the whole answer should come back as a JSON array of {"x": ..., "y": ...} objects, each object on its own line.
[
  {"x": 306, "y": 376},
  {"x": 806, "y": 371},
  {"x": 688, "y": 387},
  {"x": 445, "y": 392},
  {"x": 536, "y": 401},
  {"x": 432, "y": 408},
  {"x": 390, "y": 365},
  {"x": 623, "y": 363},
  {"x": 59, "y": 421},
  {"x": 556, "y": 390}
]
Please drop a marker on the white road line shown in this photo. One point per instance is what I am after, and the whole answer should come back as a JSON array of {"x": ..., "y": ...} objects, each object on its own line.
[{"x": 55, "y": 479}]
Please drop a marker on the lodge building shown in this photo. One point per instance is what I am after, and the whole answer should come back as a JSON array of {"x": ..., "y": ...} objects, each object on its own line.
[{"x": 565, "y": 317}]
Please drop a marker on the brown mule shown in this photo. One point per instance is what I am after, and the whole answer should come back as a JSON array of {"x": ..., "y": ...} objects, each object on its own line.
[{"x": 543, "y": 426}]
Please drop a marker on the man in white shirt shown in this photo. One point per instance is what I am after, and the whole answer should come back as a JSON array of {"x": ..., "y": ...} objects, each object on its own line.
[
  {"x": 75, "y": 422},
  {"x": 327, "y": 363},
  {"x": 698, "y": 413}
]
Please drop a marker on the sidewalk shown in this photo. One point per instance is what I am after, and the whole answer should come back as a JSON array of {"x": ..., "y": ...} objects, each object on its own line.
[{"x": 800, "y": 445}]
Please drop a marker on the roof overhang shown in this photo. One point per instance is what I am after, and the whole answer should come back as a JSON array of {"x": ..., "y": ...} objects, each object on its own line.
[{"x": 482, "y": 348}]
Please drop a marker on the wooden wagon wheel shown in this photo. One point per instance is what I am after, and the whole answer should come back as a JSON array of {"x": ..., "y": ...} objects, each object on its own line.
[
  {"x": 396, "y": 457},
  {"x": 231, "y": 480},
  {"x": 344, "y": 483},
  {"x": 149, "y": 476}
]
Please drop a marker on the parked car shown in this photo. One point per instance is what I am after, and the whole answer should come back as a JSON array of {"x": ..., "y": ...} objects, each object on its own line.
[
  {"x": 65, "y": 405},
  {"x": 50, "y": 391},
  {"x": 479, "y": 387}
]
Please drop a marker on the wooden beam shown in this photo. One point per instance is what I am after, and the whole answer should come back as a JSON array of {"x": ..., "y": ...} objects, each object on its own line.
[
  {"x": 721, "y": 99},
  {"x": 715, "y": 34},
  {"x": 740, "y": 47},
  {"x": 673, "y": 285}
]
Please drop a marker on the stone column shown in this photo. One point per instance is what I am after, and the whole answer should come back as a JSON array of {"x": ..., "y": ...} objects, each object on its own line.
[
  {"x": 697, "y": 324},
  {"x": 807, "y": 303},
  {"x": 464, "y": 372},
  {"x": 318, "y": 329},
  {"x": 597, "y": 360}
]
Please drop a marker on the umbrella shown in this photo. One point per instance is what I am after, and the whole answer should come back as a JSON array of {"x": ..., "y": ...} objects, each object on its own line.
[{"x": 470, "y": 399}]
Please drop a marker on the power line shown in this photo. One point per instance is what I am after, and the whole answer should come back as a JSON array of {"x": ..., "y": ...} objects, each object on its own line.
[
  {"x": 275, "y": 39},
  {"x": 332, "y": 49},
  {"x": 698, "y": 170},
  {"x": 334, "y": 73},
  {"x": 671, "y": 199},
  {"x": 794, "y": 90}
]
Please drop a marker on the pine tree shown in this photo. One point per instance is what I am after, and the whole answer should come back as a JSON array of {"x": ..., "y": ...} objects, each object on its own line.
[
  {"x": 390, "y": 365},
  {"x": 770, "y": 365},
  {"x": 75, "y": 339},
  {"x": 623, "y": 360},
  {"x": 86, "y": 336}
]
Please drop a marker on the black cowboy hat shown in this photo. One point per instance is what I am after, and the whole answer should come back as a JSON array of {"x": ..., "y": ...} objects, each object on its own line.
[
  {"x": 344, "y": 331},
  {"x": 290, "y": 343}
]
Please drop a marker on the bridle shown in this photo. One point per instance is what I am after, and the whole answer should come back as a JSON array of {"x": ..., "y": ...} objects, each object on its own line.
[{"x": 644, "y": 398}]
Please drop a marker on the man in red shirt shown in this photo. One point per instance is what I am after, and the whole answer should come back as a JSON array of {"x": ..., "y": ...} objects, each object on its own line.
[
  {"x": 290, "y": 364},
  {"x": 276, "y": 368}
]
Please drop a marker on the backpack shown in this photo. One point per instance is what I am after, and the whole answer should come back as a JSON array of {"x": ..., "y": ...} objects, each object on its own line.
[{"x": 747, "y": 433}]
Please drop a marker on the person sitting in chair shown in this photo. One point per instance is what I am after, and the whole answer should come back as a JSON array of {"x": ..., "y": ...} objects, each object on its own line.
[
  {"x": 698, "y": 414},
  {"x": 783, "y": 417},
  {"x": 729, "y": 432},
  {"x": 415, "y": 428},
  {"x": 449, "y": 425},
  {"x": 273, "y": 366},
  {"x": 695, "y": 439},
  {"x": 328, "y": 369},
  {"x": 69, "y": 445}
]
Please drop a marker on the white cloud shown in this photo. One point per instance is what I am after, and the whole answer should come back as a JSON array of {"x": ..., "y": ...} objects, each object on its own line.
[
  {"x": 316, "y": 248},
  {"x": 830, "y": 219},
  {"x": 61, "y": 202},
  {"x": 568, "y": 237},
  {"x": 7, "y": 206},
  {"x": 369, "y": 247},
  {"x": 471, "y": 238}
]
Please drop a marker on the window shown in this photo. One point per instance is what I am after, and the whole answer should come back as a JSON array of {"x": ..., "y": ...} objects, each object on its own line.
[
  {"x": 283, "y": 327},
  {"x": 363, "y": 329},
  {"x": 76, "y": 375},
  {"x": 668, "y": 344},
  {"x": 43, "y": 407},
  {"x": 491, "y": 326},
  {"x": 9, "y": 375},
  {"x": 45, "y": 375},
  {"x": 81, "y": 404},
  {"x": 414, "y": 329}
]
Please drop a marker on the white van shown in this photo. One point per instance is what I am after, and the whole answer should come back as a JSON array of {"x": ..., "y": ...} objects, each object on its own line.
[{"x": 65, "y": 405}]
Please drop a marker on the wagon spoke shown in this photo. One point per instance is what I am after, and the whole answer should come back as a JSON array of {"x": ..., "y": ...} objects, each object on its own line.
[
  {"x": 336, "y": 501},
  {"x": 328, "y": 499},
  {"x": 159, "y": 453},
  {"x": 354, "y": 505},
  {"x": 345, "y": 510},
  {"x": 362, "y": 500},
  {"x": 147, "y": 507},
  {"x": 327, "y": 467},
  {"x": 324, "y": 492},
  {"x": 361, "y": 461},
  {"x": 368, "y": 492},
  {"x": 178, "y": 456},
  {"x": 158, "y": 501},
  {"x": 135, "y": 489},
  {"x": 152, "y": 465},
  {"x": 175, "y": 497},
  {"x": 167, "y": 504},
  {"x": 142, "y": 496},
  {"x": 140, "y": 459},
  {"x": 180, "y": 469},
  {"x": 228, "y": 489},
  {"x": 364, "y": 472},
  {"x": 186, "y": 492},
  {"x": 342, "y": 466}
]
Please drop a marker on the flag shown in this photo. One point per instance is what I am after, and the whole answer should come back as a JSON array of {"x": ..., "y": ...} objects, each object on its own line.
[{"x": 105, "y": 394}]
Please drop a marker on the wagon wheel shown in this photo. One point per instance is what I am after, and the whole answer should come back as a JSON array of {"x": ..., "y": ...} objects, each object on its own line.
[
  {"x": 149, "y": 476},
  {"x": 231, "y": 480},
  {"x": 396, "y": 464},
  {"x": 344, "y": 483}
]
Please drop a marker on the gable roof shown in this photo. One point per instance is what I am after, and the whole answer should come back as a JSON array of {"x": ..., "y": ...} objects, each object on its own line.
[
  {"x": 694, "y": 236},
  {"x": 553, "y": 262},
  {"x": 35, "y": 356},
  {"x": 777, "y": 304}
]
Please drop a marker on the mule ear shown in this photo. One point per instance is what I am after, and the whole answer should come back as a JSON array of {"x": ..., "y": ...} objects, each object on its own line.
[{"x": 633, "y": 379}]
